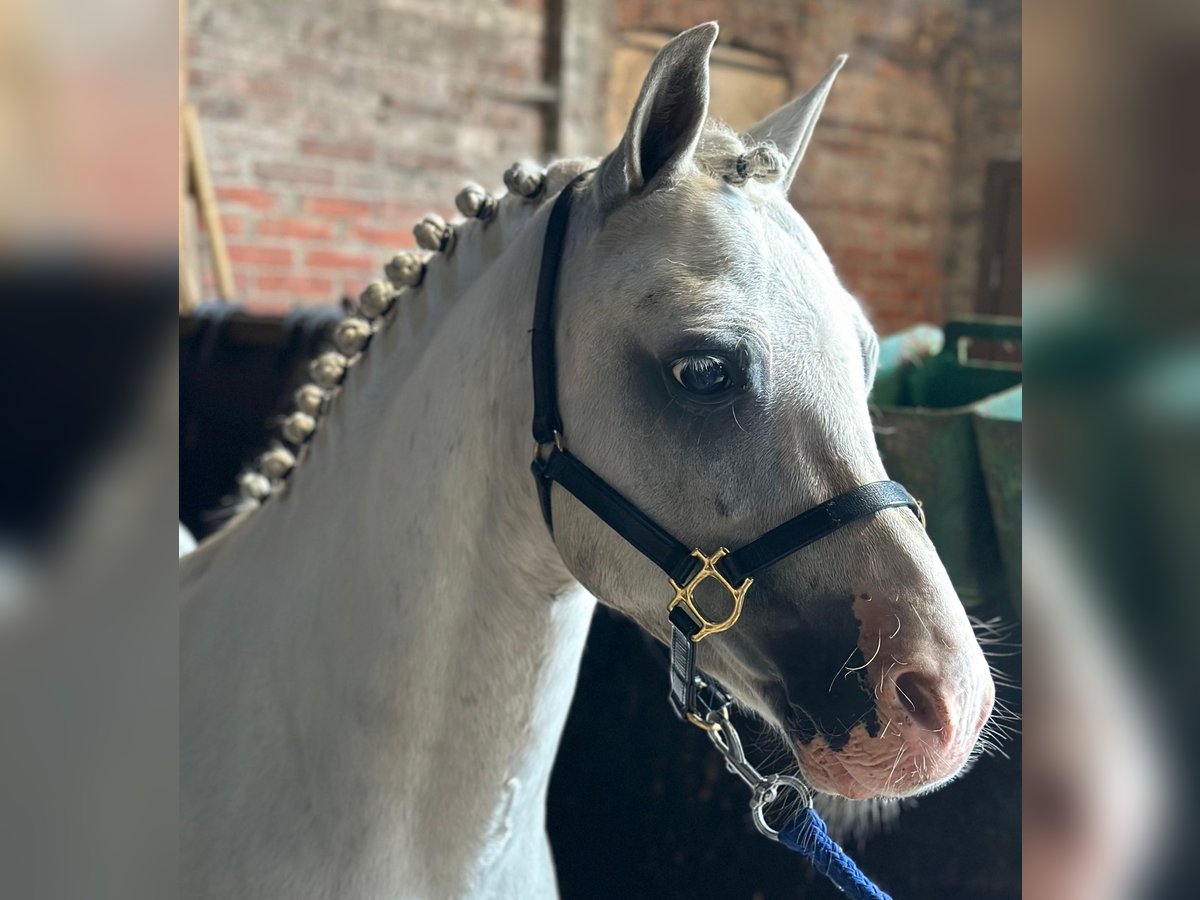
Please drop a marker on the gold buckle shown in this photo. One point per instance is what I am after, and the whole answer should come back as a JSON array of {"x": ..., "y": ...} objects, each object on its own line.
[
  {"x": 699, "y": 721},
  {"x": 683, "y": 595}
]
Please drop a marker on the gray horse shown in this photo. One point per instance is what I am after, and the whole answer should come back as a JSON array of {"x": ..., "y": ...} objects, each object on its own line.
[{"x": 377, "y": 661}]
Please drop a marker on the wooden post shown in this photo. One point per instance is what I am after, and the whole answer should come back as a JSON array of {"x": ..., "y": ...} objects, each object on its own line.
[
  {"x": 189, "y": 290},
  {"x": 195, "y": 181},
  {"x": 206, "y": 199}
]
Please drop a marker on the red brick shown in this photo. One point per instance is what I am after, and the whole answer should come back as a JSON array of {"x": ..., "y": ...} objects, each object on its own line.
[
  {"x": 354, "y": 286},
  {"x": 254, "y": 198},
  {"x": 420, "y": 161},
  {"x": 294, "y": 173},
  {"x": 303, "y": 229},
  {"x": 278, "y": 305},
  {"x": 857, "y": 254},
  {"x": 893, "y": 183},
  {"x": 361, "y": 150},
  {"x": 254, "y": 255},
  {"x": 336, "y": 259},
  {"x": 919, "y": 256},
  {"x": 928, "y": 277},
  {"x": 400, "y": 215},
  {"x": 890, "y": 275},
  {"x": 221, "y": 107},
  {"x": 230, "y": 225},
  {"x": 384, "y": 237},
  {"x": 268, "y": 87},
  {"x": 338, "y": 207},
  {"x": 296, "y": 284},
  {"x": 307, "y": 64},
  {"x": 916, "y": 295}
]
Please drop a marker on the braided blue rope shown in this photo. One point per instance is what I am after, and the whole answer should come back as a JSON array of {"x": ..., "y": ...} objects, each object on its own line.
[{"x": 807, "y": 834}]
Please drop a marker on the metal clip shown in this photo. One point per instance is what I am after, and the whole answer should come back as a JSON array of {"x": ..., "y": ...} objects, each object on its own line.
[
  {"x": 726, "y": 739},
  {"x": 768, "y": 793},
  {"x": 765, "y": 790},
  {"x": 537, "y": 447}
]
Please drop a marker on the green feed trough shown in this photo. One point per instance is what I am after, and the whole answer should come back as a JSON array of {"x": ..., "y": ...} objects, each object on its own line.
[
  {"x": 998, "y": 436},
  {"x": 949, "y": 429}
]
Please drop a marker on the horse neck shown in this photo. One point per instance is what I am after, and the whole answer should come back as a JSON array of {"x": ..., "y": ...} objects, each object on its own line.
[{"x": 426, "y": 633}]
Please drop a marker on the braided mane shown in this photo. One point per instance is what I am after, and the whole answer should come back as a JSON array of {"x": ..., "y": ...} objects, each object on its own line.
[{"x": 721, "y": 154}]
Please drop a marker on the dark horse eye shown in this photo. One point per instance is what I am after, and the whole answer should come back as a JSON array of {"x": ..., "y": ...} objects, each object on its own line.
[{"x": 702, "y": 375}]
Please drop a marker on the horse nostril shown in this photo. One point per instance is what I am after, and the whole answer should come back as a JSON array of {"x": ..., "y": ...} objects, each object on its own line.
[{"x": 917, "y": 696}]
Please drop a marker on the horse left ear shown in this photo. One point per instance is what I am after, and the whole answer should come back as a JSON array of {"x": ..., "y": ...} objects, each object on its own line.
[
  {"x": 791, "y": 126},
  {"x": 667, "y": 119}
]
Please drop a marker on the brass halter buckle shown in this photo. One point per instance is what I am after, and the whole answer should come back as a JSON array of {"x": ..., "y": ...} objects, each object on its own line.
[{"x": 684, "y": 595}]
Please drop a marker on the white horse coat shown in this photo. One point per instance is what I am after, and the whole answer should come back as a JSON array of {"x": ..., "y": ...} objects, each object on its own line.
[{"x": 376, "y": 665}]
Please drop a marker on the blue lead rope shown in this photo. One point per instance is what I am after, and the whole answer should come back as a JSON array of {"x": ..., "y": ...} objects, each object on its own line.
[
  {"x": 704, "y": 703},
  {"x": 807, "y": 834}
]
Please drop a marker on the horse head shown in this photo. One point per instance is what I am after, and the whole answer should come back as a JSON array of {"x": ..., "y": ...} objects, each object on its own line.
[{"x": 714, "y": 370}]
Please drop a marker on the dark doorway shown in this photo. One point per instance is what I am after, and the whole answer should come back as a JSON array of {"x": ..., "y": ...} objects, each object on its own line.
[{"x": 999, "y": 291}]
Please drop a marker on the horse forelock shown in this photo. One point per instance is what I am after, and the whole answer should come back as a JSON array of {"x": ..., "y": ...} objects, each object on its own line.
[{"x": 737, "y": 158}]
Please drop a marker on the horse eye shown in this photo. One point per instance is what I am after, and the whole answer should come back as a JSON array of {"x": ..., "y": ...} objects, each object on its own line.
[{"x": 702, "y": 375}]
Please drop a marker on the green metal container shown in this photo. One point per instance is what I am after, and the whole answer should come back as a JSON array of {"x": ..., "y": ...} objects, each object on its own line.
[
  {"x": 998, "y": 436},
  {"x": 899, "y": 354},
  {"x": 925, "y": 425}
]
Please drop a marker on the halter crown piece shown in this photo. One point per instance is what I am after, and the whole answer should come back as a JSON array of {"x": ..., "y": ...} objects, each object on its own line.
[{"x": 695, "y": 697}]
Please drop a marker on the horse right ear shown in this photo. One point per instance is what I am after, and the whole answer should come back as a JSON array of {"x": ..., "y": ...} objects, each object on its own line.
[
  {"x": 666, "y": 123},
  {"x": 790, "y": 127}
]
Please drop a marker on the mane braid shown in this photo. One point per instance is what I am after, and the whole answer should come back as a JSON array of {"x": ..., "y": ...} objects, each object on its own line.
[
  {"x": 722, "y": 153},
  {"x": 377, "y": 307},
  {"x": 735, "y": 158}
]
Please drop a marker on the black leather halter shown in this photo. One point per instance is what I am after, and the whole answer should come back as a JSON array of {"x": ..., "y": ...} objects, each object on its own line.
[{"x": 691, "y": 695}]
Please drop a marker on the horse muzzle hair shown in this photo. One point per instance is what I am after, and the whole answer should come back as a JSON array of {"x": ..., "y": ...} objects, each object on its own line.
[{"x": 876, "y": 680}]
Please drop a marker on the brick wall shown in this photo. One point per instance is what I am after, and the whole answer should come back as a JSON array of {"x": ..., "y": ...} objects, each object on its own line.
[
  {"x": 330, "y": 133},
  {"x": 893, "y": 181},
  {"x": 332, "y": 128},
  {"x": 987, "y": 69}
]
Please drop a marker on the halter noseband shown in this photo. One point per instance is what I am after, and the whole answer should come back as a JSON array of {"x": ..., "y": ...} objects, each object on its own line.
[{"x": 694, "y": 698}]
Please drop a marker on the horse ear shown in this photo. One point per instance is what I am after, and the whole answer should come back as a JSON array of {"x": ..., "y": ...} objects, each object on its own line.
[
  {"x": 667, "y": 119},
  {"x": 791, "y": 126}
]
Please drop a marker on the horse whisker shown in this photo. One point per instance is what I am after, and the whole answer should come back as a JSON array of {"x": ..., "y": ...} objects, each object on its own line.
[{"x": 869, "y": 661}]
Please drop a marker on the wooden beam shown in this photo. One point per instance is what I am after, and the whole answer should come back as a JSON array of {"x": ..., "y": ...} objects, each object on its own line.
[
  {"x": 206, "y": 199},
  {"x": 187, "y": 286}
]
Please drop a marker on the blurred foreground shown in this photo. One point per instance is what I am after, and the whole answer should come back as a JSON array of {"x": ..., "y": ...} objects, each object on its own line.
[
  {"x": 88, "y": 157},
  {"x": 1112, "y": 367}
]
